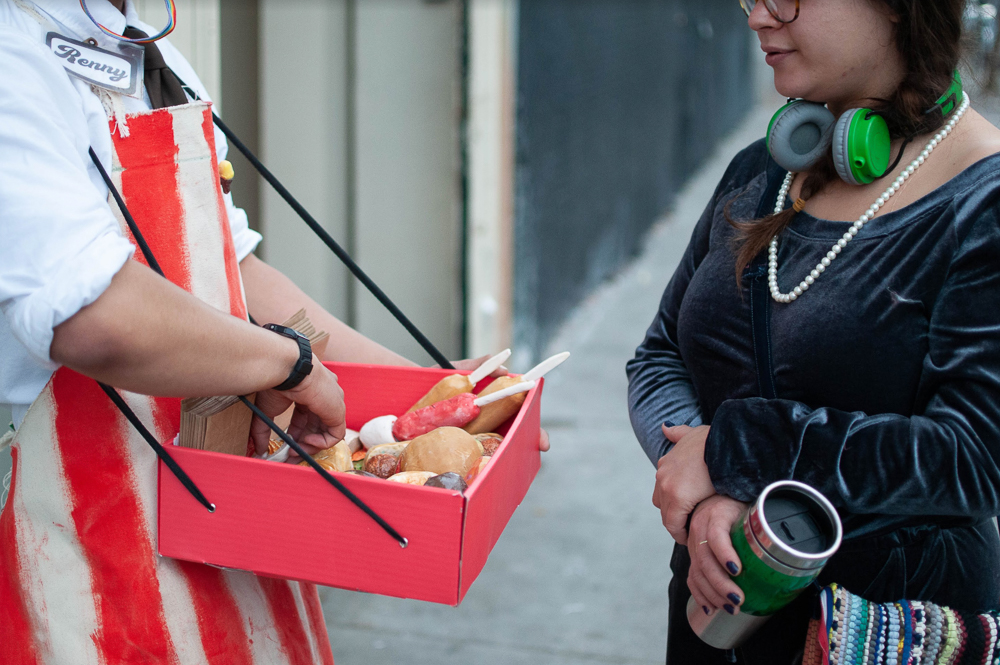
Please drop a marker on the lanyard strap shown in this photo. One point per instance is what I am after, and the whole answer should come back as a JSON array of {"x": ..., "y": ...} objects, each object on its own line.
[{"x": 161, "y": 452}]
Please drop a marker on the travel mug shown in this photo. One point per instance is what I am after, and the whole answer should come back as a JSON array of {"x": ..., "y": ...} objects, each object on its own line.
[{"x": 783, "y": 541}]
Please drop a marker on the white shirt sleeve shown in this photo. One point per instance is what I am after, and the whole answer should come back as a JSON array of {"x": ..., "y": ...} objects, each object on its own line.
[{"x": 60, "y": 245}]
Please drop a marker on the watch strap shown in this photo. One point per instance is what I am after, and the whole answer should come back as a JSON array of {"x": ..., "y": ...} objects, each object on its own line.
[{"x": 303, "y": 366}]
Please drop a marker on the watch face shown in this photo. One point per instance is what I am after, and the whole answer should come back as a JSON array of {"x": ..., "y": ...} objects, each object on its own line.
[{"x": 284, "y": 330}]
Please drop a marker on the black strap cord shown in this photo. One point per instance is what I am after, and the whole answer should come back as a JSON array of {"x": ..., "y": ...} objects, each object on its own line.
[
  {"x": 155, "y": 445},
  {"x": 160, "y": 451},
  {"x": 899, "y": 157},
  {"x": 363, "y": 277},
  {"x": 336, "y": 248},
  {"x": 403, "y": 542},
  {"x": 133, "y": 227},
  {"x": 178, "y": 472},
  {"x": 143, "y": 247}
]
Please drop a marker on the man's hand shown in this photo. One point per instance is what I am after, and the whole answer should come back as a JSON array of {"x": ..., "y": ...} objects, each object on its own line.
[
  {"x": 472, "y": 364},
  {"x": 319, "y": 418},
  {"x": 682, "y": 480}
]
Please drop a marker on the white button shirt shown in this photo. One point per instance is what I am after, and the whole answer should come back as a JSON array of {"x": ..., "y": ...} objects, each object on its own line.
[{"x": 60, "y": 244}]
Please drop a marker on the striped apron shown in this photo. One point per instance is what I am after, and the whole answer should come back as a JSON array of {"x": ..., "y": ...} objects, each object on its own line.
[{"x": 80, "y": 579}]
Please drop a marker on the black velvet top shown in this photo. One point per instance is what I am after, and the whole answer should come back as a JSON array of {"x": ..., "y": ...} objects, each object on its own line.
[{"x": 887, "y": 371}]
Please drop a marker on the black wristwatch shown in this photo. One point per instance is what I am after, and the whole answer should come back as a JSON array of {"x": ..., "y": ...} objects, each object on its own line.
[{"x": 303, "y": 365}]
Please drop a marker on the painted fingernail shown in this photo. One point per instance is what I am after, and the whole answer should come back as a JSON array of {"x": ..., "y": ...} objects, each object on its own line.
[
  {"x": 706, "y": 609},
  {"x": 669, "y": 423},
  {"x": 733, "y": 597},
  {"x": 729, "y": 608},
  {"x": 732, "y": 568}
]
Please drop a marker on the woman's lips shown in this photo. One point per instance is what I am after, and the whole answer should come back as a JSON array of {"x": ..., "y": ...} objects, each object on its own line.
[{"x": 775, "y": 57}]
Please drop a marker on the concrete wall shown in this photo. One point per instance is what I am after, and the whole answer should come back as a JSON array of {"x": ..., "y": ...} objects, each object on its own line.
[
  {"x": 490, "y": 131},
  {"x": 618, "y": 103},
  {"x": 360, "y": 116},
  {"x": 407, "y": 186}
]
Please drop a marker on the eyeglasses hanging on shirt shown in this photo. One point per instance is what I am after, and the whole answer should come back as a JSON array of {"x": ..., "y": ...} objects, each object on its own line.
[
  {"x": 162, "y": 86},
  {"x": 145, "y": 39}
]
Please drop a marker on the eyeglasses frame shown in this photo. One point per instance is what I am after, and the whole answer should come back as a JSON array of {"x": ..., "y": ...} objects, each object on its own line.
[{"x": 743, "y": 5}]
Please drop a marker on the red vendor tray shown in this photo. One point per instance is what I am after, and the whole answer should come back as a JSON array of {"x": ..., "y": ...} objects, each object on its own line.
[{"x": 282, "y": 520}]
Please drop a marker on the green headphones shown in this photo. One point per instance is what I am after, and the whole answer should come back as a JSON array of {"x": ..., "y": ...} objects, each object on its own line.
[{"x": 801, "y": 132}]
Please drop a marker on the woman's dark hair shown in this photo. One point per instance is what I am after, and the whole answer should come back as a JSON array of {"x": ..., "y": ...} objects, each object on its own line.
[{"x": 928, "y": 35}]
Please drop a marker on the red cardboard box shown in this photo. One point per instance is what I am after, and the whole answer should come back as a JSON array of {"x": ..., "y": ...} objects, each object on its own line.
[{"x": 282, "y": 520}]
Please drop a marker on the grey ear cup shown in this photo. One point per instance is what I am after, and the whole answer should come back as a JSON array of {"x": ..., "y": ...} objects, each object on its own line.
[
  {"x": 841, "y": 153},
  {"x": 799, "y": 135}
]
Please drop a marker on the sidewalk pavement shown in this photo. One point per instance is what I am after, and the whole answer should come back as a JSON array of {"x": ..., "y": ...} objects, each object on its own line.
[{"x": 580, "y": 574}]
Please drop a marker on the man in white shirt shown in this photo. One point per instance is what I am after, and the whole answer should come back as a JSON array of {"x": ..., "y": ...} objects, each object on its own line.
[{"x": 61, "y": 243}]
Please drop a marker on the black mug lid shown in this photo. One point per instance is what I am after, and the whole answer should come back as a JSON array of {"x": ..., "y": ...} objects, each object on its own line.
[{"x": 796, "y": 521}]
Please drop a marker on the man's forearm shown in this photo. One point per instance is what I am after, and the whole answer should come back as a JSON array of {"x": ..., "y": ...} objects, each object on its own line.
[
  {"x": 273, "y": 298},
  {"x": 149, "y": 336}
]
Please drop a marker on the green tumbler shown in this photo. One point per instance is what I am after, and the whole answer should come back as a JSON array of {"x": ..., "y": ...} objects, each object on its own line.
[{"x": 783, "y": 541}]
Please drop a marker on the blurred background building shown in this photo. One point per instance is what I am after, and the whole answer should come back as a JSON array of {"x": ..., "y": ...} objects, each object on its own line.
[{"x": 488, "y": 162}]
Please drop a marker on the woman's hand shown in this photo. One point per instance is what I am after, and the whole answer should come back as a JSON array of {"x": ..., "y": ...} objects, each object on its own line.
[
  {"x": 713, "y": 558},
  {"x": 318, "y": 421},
  {"x": 682, "y": 480}
]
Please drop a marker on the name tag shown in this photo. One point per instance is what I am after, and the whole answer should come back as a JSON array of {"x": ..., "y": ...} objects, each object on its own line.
[{"x": 119, "y": 72}]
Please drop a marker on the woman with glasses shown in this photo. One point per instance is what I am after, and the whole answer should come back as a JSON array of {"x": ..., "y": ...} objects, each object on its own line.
[{"x": 836, "y": 320}]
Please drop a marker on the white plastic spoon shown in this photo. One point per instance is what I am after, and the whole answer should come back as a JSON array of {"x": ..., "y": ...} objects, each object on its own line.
[
  {"x": 488, "y": 367},
  {"x": 522, "y": 387},
  {"x": 544, "y": 367}
]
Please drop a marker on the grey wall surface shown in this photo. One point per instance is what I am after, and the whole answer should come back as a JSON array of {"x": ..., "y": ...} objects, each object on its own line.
[
  {"x": 359, "y": 116},
  {"x": 619, "y": 101}
]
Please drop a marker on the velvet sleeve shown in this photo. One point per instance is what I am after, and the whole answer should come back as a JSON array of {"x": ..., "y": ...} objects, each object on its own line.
[
  {"x": 660, "y": 387},
  {"x": 941, "y": 460}
]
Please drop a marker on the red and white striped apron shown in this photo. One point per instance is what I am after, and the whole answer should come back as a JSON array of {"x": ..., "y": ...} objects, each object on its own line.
[{"x": 80, "y": 578}]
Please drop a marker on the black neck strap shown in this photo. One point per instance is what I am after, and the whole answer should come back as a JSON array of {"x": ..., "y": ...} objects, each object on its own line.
[{"x": 899, "y": 157}]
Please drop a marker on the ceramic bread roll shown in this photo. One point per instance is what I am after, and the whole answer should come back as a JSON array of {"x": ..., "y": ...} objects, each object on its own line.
[
  {"x": 446, "y": 388},
  {"x": 491, "y": 416},
  {"x": 334, "y": 458},
  {"x": 446, "y": 449},
  {"x": 457, "y": 384},
  {"x": 490, "y": 442},
  {"x": 394, "y": 449},
  {"x": 411, "y": 477}
]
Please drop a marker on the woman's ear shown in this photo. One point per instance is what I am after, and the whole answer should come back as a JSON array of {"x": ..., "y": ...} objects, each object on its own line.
[{"x": 891, "y": 14}]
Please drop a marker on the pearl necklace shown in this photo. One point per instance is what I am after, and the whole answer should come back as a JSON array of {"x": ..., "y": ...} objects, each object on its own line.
[{"x": 772, "y": 258}]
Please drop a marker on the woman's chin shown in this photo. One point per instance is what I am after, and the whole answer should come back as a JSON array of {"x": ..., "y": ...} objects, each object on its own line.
[{"x": 791, "y": 85}]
